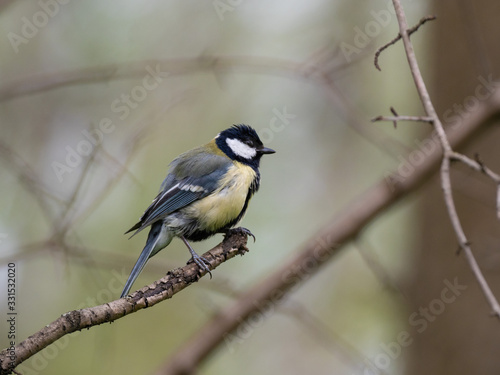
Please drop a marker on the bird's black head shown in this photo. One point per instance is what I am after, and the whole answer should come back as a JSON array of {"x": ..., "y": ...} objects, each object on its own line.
[{"x": 241, "y": 143}]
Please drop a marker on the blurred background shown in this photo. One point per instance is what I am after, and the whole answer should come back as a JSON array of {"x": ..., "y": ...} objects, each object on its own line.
[{"x": 96, "y": 98}]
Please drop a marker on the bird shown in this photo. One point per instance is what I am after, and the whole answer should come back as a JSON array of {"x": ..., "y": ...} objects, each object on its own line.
[{"x": 206, "y": 191}]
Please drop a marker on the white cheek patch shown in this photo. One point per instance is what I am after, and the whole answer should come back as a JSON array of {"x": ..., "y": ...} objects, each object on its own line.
[{"x": 241, "y": 149}]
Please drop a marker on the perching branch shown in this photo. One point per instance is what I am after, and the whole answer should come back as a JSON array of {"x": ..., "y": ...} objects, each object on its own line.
[
  {"x": 165, "y": 288},
  {"x": 447, "y": 157}
]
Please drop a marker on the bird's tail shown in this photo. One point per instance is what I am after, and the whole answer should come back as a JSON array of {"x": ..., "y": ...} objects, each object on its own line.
[{"x": 158, "y": 238}]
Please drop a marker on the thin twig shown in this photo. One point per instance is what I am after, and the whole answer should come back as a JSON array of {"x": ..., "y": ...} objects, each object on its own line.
[
  {"x": 63, "y": 223},
  {"x": 477, "y": 165},
  {"x": 403, "y": 118},
  {"x": 463, "y": 242},
  {"x": 398, "y": 37},
  {"x": 448, "y": 155},
  {"x": 29, "y": 179},
  {"x": 131, "y": 148},
  {"x": 394, "y": 119}
]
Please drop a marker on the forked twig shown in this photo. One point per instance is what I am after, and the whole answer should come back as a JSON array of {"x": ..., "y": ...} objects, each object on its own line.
[
  {"x": 395, "y": 119},
  {"x": 395, "y": 40},
  {"x": 448, "y": 156}
]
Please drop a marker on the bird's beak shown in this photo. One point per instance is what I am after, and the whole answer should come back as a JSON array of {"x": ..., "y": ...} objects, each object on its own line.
[{"x": 265, "y": 150}]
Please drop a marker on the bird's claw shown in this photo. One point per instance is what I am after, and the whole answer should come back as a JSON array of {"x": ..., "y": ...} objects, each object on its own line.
[
  {"x": 202, "y": 263},
  {"x": 243, "y": 230}
]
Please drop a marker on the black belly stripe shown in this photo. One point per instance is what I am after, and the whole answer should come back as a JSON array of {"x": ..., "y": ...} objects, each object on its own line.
[{"x": 193, "y": 234}]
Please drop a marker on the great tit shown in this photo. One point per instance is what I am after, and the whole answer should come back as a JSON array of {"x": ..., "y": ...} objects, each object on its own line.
[{"x": 206, "y": 191}]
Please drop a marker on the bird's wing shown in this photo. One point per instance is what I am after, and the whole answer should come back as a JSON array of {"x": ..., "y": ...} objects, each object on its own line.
[{"x": 189, "y": 179}]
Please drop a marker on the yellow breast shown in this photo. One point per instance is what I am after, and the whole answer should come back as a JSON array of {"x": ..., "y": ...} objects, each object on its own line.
[{"x": 226, "y": 202}]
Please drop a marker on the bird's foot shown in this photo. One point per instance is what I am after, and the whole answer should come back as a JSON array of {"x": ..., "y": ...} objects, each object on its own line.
[
  {"x": 201, "y": 262},
  {"x": 242, "y": 230}
]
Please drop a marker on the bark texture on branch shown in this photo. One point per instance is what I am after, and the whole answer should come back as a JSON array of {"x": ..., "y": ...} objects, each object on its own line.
[{"x": 162, "y": 289}]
